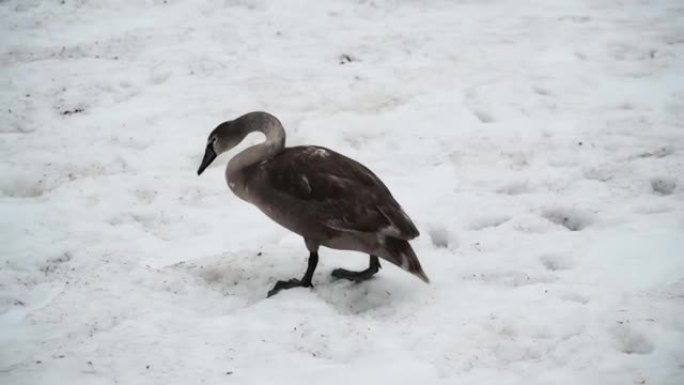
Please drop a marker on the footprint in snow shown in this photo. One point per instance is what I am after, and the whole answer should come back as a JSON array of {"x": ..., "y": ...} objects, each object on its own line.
[
  {"x": 571, "y": 219},
  {"x": 629, "y": 340},
  {"x": 515, "y": 187},
  {"x": 442, "y": 237},
  {"x": 52, "y": 264},
  {"x": 555, "y": 262},
  {"x": 663, "y": 185},
  {"x": 599, "y": 173},
  {"x": 482, "y": 115}
]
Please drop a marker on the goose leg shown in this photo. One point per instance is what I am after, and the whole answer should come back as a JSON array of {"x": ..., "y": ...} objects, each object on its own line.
[
  {"x": 358, "y": 276},
  {"x": 294, "y": 282}
]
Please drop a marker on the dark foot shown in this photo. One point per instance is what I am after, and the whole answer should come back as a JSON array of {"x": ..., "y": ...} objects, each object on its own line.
[
  {"x": 284, "y": 285},
  {"x": 358, "y": 276},
  {"x": 294, "y": 282}
]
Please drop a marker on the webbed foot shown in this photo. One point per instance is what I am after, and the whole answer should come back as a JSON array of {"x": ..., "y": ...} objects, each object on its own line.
[
  {"x": 359, "y": 276},
  {"x": 284, "y": 285},
  {"x": 294, "y": 282}
]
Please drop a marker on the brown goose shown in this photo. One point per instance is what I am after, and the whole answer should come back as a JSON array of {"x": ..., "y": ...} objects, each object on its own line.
[{"x": 325, "y": 197}]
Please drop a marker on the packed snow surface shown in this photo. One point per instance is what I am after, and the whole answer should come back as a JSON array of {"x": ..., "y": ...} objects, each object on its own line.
[{"x": 538, "y": 145}]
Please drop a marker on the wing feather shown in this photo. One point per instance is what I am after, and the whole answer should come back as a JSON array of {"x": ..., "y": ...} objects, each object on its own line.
[{"x": 344, "y": 194}]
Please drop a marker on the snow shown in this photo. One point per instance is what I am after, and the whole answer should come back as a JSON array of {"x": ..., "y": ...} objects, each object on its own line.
[{"x": 538, "y": 146}]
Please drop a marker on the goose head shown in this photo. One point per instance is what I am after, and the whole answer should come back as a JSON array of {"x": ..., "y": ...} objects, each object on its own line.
[
  {"x": 222, "y": 139},
  {"x": 229, "y": 134}
]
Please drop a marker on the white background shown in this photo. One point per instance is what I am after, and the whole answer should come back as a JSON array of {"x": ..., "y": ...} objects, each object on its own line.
[{"x": 538, "y": 145}]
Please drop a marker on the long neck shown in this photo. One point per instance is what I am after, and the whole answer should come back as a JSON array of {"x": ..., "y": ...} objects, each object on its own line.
[{"x": 274, "y": 143}]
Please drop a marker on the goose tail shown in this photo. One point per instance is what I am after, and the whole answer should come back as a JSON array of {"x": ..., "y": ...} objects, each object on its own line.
[{"x": 399, "y": 252}]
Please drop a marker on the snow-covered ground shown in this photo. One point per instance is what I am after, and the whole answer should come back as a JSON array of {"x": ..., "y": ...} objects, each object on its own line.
[{"x": 538, "y": 145}]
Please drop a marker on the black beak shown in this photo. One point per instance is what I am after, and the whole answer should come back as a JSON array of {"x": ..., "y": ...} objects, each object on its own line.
[{"x": 209, "y": 156}]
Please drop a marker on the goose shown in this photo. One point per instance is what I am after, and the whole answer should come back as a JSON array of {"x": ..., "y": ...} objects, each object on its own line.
[{"x": 325, "y": 197}]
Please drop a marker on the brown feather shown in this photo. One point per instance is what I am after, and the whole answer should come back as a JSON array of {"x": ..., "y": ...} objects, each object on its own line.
[{"x": 324, "y": 179}]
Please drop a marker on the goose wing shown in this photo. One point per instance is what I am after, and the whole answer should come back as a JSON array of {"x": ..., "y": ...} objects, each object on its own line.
[{"x": 343, "y": 194}]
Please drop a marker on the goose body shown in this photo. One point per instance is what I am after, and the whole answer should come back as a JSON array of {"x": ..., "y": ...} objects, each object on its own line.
[{"x": 327, "y": 198}]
